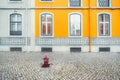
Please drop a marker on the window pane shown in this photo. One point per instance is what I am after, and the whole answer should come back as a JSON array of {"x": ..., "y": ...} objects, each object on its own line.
[
  {"x": 77, "y": 32},
  {"x": 19, "y": 27},
  {"x": 107, "y": 29},
  {"x": 101, "y": 29},
  {"x": 13, "y": 17},
  {"x": 49, "y": 29},
  {"x": 43, "y": 18},
  {"x": 75, "y": 24},
  {"x": 107, "y": 18},
  {"x": 49, "y": 18},
  {"x": 101, "y": 18},
  {"x": 72, "y": 30},
  {"x": 19, "y": 18},
  {"x": 13, "y": 27},
  {"x": 44, "y": 29}
]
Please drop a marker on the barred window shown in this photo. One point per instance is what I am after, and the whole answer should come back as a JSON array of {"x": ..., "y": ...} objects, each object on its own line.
[
  {"x": 104, "y": 24},
  {"x": 75, "y": 3},
  {"x": 15, "y": 24},
  {"x": 104, "y": 3},
  {"x": 46, "y": 24},
  {"x": 75, "y": 24}
]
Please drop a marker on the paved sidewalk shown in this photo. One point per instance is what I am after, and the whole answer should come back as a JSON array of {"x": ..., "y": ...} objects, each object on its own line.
[{"x": 65, "y": 66}]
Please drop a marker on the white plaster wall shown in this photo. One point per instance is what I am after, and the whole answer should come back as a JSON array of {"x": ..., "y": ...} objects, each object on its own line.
[
  {"x": 115, "y": 48},
  {"x": 85, "y": 49},
  {"x": 95, "y": 49},
  {"x": 4, "y": 48},
  {"x": 4, "y": 23},
  {"x": 16, "y": 4},
  {"x": 61, "y": 48},
  {"x": 31, "y": 29}
]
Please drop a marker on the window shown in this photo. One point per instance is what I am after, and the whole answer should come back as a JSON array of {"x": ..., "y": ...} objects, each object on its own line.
[
  {"x": 46, "y": 24},
  {"x": 15, "y": 0},
  {"x": 15, "y": 24},
  {"x": 46, "y": 0},
  {"x": 74, "y": 3},
  {"x": 104, "y": 3},
  {"x": 75, "y": 24},
  {"x": 104, "y": 24}
]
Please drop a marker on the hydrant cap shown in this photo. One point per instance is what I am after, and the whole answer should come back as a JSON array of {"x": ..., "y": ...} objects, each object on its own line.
[{"x": 46, "y": 56}]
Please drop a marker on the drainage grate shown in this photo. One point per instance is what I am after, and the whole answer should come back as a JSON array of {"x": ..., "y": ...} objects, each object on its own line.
[
  {"x": 15, "y": 49},
  {"x": 104, "y": 49},
  {"x": 74, "y": 49},
  {"x": 46, "y": 49}
]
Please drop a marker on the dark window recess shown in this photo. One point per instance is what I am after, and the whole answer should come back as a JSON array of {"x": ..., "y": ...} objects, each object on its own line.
[
  {"x": 105, "y": 49},
  {"x": 74, "y": 49},
  {"x": 46, "y": 0},
  {"x": 46, "y": 49},
  {"x": 15, "y": 49},
  {"x": 15, "y": 0},
  {"x": 15, "y": 32}
]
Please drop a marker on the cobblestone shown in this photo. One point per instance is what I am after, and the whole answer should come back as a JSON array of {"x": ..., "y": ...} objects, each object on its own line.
[{"x": 64, "y": 66}]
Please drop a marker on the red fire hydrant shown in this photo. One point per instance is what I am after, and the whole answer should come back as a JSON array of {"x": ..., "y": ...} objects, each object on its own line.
[{"x": 46, "y": 62}]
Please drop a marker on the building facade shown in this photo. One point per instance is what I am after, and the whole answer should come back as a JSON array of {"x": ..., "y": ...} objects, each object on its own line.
[{"x": 56, "y": 25}]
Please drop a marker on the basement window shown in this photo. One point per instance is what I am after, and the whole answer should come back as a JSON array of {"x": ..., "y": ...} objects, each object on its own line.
[
  {"x": 104, "y": 49},
  {"x": 45, "y": 49},
  {"x": 15, "y": 49},
  {"x": 75, "y": 49}
]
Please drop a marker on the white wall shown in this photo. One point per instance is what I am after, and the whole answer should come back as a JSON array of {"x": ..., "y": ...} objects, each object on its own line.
[
  {"x": 7, "y": 8},
  {"x": 16, "y": 4}
]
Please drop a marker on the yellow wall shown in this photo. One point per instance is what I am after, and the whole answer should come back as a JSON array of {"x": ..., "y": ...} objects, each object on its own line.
[
  {"x": 61, "y": 17},
  {"x": 61, "y": 21}
]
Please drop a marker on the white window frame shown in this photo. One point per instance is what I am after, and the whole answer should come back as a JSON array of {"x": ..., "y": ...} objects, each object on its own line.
[
  {"x": 103, "y": 6},
  {"x": 47, "y": 1},
  {"x": 98, "y": 24},
  {"x": 21, "y": 24},
  {"x": 73, "y": 6},
  {"x": 69, "y": 31},
  {"x": 41, "y": 24}
]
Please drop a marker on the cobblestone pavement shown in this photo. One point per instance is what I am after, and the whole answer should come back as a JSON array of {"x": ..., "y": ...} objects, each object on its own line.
[{"x": 64, "y": 66}]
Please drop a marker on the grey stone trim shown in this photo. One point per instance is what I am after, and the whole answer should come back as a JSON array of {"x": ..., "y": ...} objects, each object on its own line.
[
  {"x": 110, "y": 41},
  {"x": 62, "y": 41},
  {"x": 14, "y": 41}
]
